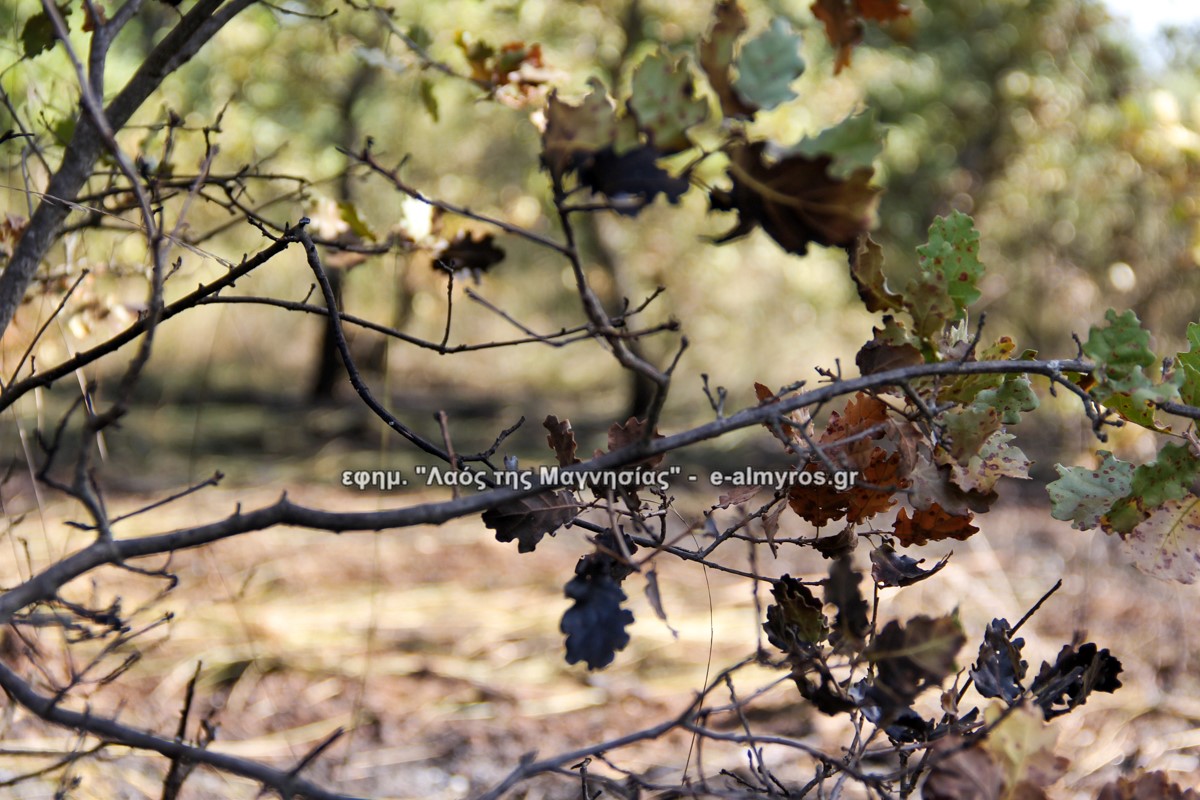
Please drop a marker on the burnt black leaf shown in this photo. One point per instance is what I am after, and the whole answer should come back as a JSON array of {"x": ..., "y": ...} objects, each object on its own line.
[
  {"x": 602, "y": 563},
  {"x": 890, "y": 568},
  {"x": 828, "y": 696},
  {"x": 999, "y": 669},
  {"x": 794, "y": 622},
  {"x": 1075, "y": 674},
  {"x": 530, "y": 518},
  {"x": 465, "y": 252},
  {"x": 900, "y": 725},
  {"x": 595, "y": 624},
  {"x": 841, "y": 590},
  {"x": 631, "y": 180},
  {"x": 910, "y": 658}
]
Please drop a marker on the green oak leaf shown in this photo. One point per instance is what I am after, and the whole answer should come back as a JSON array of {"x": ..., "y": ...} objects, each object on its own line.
[
  {"x": 969, "y": 428},
  {"x": 953, "y": 251},
  {"x": 1083, "y": 495},
  {"x": 854, "y": 142},
  {"x": 928, "y": 300},
  {"x": 1121, "y": 350},
  {"x": 1189, "y": 367},
  {"x": 1013, "y": 397},
  {"x": 1122, "y": 353},
  {"x": 663, "y": 99},
  {"x": 768, "y": 64},
  {"x": 38, "y": 35},
  {"x": 1167, "y": 477},
  {"x": 963, "y": 388}
]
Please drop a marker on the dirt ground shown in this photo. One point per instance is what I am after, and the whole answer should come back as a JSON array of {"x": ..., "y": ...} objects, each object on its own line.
[{"x": 438, "y": 651}]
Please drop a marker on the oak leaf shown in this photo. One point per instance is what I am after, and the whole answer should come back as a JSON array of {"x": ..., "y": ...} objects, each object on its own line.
[
  {"x": 931, "y": 525},
  {"x": 716, "y": 58},
  {"x": 795, "y": 199}
]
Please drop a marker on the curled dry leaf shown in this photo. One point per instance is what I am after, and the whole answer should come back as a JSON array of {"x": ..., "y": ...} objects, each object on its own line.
[
  {"x": 561, "y": 440},
  {"x": 530, "y": 518},
  {"x": 631, "y": 431},
  {"x": 890, "y": 568},
  {"x": 866, "y": 268},
  {"x": 739, "y": 496},
  {"x": 932, "y": 524}
]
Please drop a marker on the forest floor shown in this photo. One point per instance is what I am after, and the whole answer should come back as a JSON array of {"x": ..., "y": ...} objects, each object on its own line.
[{"x": 437, "y": 650}]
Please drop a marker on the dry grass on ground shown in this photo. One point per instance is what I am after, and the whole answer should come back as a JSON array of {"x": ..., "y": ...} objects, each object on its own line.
[{"x": 438, "y": 650}]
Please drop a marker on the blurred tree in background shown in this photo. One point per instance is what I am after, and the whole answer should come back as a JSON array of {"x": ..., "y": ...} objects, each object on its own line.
[
  {"x": 1038, "y": 118},
  {"x": 441, "y": 155},
  {"x": 1034, "y": 115}
]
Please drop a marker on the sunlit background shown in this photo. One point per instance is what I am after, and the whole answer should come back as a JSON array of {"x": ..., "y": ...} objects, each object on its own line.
[{"x": 1074, "y": 142}]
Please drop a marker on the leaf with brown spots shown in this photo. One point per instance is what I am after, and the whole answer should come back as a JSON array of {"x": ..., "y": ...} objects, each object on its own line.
[
  {"x": 931, "y": 525},
  {"x": 963, "y": 388},
  {"x": 969, "y": 428},
  {"x": 932, "y": 485},
  {"x": 663, "y": 101},
  {"x": 1167, "y": 543},
  {"x": 995, "y": 460}
]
